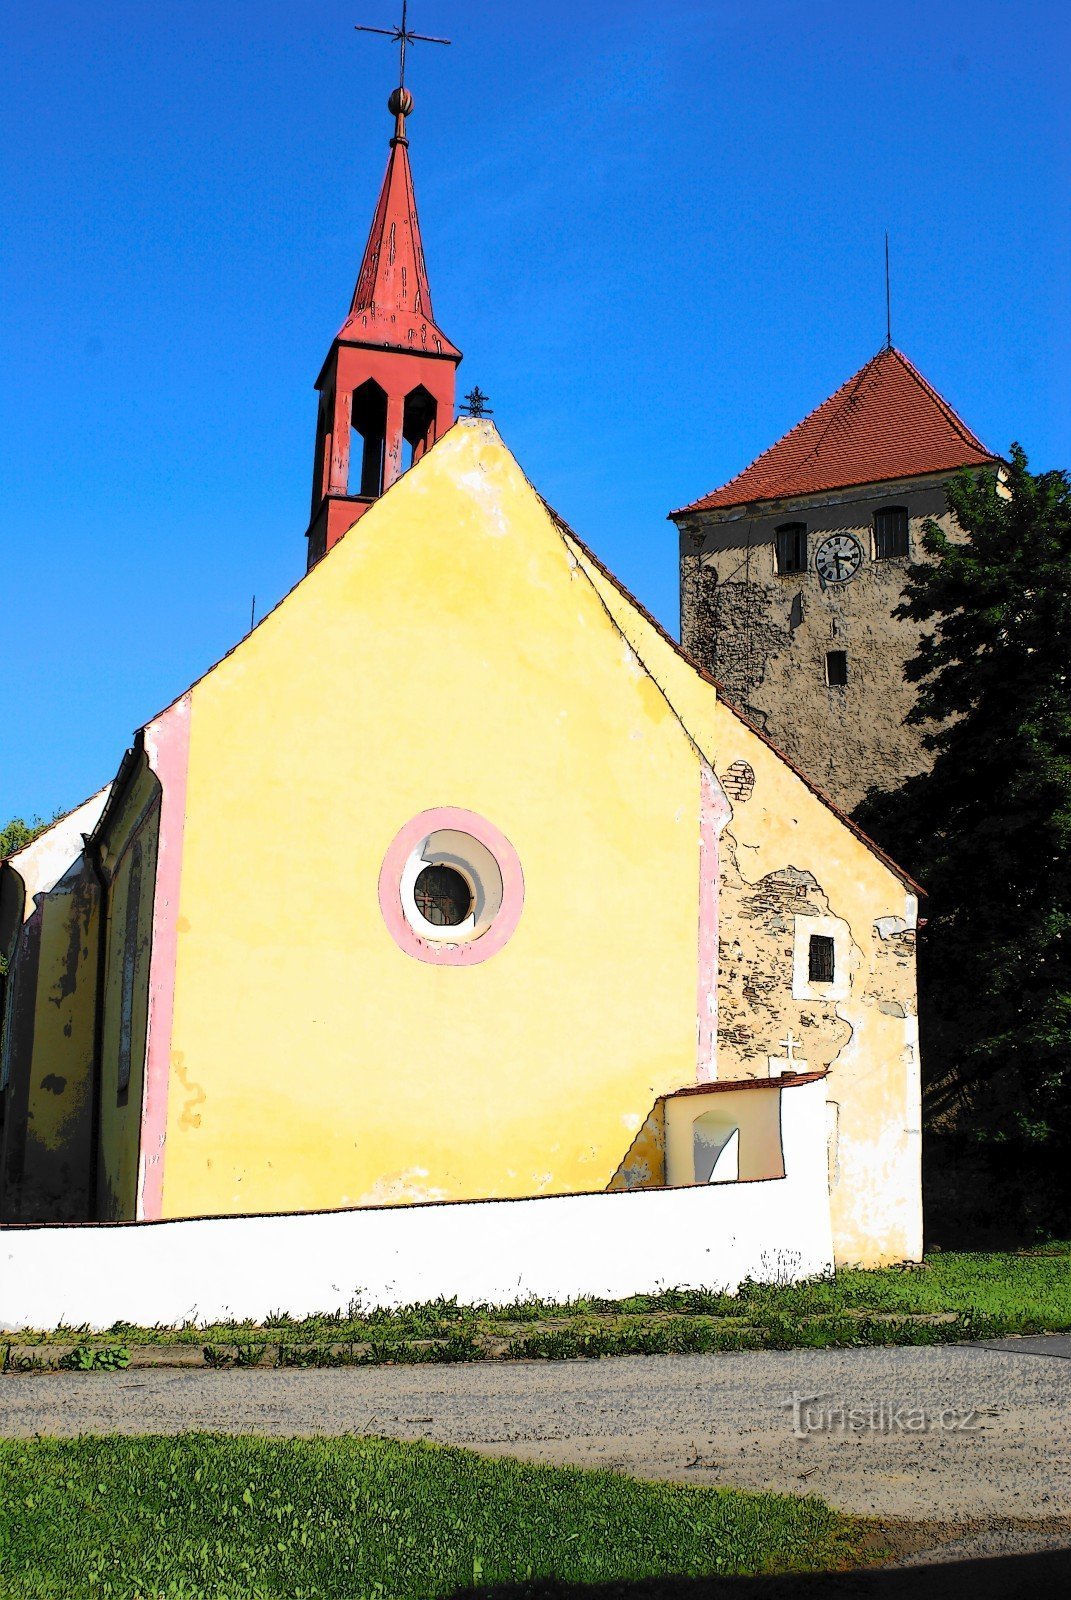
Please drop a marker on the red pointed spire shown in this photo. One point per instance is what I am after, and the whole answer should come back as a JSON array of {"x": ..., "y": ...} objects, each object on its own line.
[
  {"x": 387, "y": 386},
  {"x": 392, "y": 301}
]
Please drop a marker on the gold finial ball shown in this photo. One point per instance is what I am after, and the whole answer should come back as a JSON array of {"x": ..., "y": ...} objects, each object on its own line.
[{"x": 400, "y": 103}]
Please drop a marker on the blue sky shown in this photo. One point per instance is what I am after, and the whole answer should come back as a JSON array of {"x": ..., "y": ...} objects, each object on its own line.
[{"x": 655, "y": 231}]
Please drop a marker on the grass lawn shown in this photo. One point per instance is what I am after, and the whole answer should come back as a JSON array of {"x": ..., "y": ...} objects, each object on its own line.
[
  {"x": 202, "y": 1517},
  {"x": 949, "y": 1297}
]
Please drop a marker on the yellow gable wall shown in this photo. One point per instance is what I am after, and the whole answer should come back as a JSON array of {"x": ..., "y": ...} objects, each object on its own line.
[
  {"x": 449, "y": 652},
  {"x": 868, "y": 1039}
]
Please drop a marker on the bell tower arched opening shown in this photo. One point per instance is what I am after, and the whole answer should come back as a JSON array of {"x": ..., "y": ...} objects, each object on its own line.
[
  {"x": 419, "y": 417},
  {"x": 368, "y": 439}
]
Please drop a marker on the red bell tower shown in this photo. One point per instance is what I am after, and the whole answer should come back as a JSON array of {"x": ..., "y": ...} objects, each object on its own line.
[{"x": 387, "y": 386}]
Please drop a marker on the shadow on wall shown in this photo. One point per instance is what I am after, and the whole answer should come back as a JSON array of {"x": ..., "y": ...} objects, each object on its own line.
[{"x": 995, "y": 1578}]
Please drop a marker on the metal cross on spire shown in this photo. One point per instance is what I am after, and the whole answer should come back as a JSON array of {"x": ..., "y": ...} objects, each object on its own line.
[{"x": 401, "y": 36}]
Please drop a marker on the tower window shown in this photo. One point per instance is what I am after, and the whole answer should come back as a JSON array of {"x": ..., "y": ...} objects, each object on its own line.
[
  {"x": 836, "y": 668},
  {"x": 890, "y": 533},
  {"x": 418, "y": 424},
  {"x": 791, "y": 540},
  {"x": 367, "y": 440},
  {"x": 820, "y": 967}
]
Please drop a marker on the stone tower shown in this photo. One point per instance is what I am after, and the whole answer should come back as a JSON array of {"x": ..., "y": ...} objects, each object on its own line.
[
  {"x": 387, "y": 386},
  {"x": 791, "y": 572}
]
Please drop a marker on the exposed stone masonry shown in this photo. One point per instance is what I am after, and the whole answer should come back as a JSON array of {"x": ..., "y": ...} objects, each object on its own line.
[{"x": 766, "y": 636}]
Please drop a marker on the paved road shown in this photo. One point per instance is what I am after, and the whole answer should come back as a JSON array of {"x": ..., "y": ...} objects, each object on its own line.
[{"x": 971, "y": 1436}]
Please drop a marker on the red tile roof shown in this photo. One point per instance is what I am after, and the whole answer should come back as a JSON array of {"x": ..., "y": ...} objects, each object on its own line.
[{"x": 885, "y": 423}]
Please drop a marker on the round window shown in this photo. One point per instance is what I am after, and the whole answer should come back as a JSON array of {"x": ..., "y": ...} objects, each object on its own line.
[
  {"x": 443, "y": 897},
  {"x": 451, "y": 888}
]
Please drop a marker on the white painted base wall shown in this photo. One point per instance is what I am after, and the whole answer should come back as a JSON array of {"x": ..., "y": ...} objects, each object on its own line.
[{"x": 490, "y": 1251}]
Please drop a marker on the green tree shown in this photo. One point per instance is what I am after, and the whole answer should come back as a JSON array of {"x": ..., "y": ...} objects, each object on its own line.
[
  {"x": 17, "y": 832},
  {"x": 988, "y": 830},
  {"x": 13, "y": 835}
]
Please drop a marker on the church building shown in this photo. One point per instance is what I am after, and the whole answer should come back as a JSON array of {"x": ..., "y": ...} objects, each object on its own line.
[{"x": 457, "y": 879}]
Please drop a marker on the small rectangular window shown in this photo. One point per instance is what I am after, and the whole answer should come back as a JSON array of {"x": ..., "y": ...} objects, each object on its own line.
[
  {"x": 820, "y": 959},
  {"x": 890, "y": 533},
  {"x": 836, "y": 668},
  {"x": 792, "y": 547}
]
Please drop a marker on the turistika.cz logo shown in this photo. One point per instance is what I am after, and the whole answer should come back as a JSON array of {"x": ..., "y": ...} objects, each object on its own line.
[{"x": 821, "y": 1413}]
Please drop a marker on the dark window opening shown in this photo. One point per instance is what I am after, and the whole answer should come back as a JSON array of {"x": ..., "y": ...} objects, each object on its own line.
[
  {"x": 442, "y": 896},
  {"x": 820, "y": 959},
  {"x": 130, "y": 962},
  {"x": 418, "y": 424},
  {"x": 792, "y": 547},
  {"x": 890, "y": 533},
  {"x": 836, "y": 668},
  {"x": 368, "y": 435}
]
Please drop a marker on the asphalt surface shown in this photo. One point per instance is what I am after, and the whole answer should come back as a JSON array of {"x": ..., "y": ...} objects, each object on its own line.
[{"x": 973, "y": 1441}]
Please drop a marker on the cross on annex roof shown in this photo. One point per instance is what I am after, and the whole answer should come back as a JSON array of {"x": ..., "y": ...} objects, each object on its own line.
[
  {"x": 475, "y": 404},
  {"x": 401, "y": 36}
]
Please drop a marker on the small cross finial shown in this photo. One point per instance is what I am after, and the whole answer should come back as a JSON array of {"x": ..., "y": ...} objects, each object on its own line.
[
  {"x": 789, "y": 1047},
  {"x": 401, "y": 35},
  {"x": 475, "y": 404}
]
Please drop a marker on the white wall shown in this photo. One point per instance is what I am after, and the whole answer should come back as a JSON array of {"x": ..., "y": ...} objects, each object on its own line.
[{"x": 491, "y": 1251}]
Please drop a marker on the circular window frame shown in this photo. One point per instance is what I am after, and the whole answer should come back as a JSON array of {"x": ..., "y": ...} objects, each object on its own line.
[{"x": 481, "y": 853}]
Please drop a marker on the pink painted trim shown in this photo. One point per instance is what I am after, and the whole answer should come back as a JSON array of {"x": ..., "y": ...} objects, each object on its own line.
[
  {"x": 714, "y": 813},
  {"x": 167, "y": 746},
  {"x": 466, "y": 953}
]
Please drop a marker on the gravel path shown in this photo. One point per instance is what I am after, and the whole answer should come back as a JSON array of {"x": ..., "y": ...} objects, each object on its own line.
[{"x": 991, "y": 1461}]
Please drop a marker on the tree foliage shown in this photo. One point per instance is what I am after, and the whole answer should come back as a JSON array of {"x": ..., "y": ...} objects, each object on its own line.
[
  {"x": 988, "y": 830},
  {"x": 18, "y": 832},
  {"x": 13, "y": 835}
]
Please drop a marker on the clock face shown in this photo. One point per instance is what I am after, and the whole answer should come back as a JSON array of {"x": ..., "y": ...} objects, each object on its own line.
[{"x": 838, "y": 558}]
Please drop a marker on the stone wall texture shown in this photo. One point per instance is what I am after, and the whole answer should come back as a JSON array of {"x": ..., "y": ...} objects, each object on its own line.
[{"x": 765, "y": 636}]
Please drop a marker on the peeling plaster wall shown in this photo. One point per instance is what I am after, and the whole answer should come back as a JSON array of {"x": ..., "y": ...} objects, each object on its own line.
[
  {"x": 868, "y": 1041},
  {"x": 786, "y": 858},
  {"x": 50, "y": 932},
  {"x": 711, "y": 1236},
  {"x": 764, "y": 636}
]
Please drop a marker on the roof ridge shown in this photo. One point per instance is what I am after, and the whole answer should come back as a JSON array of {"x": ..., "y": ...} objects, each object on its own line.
[
  {"x": 782, "y": 439},
  {"x": 967, "y": 434},
  {"x": 926, "y": 427}
]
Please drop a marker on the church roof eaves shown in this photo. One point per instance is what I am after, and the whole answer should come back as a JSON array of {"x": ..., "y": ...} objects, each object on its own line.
[
  {"x": 55, "y": 823},
  {"x": 787, "y": 1080}
]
